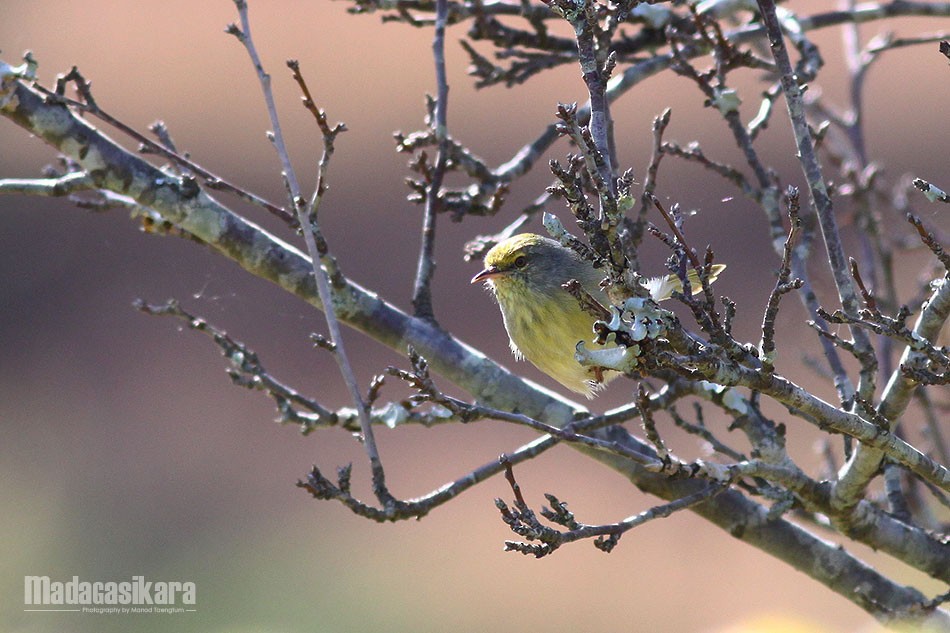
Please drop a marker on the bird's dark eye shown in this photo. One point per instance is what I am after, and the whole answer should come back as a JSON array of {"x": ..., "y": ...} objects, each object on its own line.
[{"x": 521, "y": 261}]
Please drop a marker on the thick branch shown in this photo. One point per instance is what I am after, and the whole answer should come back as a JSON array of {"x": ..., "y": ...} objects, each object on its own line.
[{"x": 866, "y": 460}]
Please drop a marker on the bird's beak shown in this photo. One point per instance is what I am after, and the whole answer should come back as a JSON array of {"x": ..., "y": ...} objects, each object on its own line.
[{"x": 488, "y": 273}]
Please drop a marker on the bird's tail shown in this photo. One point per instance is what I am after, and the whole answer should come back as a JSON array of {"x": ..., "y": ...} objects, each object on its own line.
[{"x": 662, "y": 288}]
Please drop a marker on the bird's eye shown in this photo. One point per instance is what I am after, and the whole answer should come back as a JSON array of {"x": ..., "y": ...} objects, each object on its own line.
[{"x": 521, "y": 261}]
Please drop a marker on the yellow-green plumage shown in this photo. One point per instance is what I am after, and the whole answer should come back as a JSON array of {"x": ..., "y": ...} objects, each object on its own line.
[{"x": 544, "y": 322}]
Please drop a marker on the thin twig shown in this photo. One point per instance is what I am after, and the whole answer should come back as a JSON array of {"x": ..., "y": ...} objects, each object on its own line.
[
  {"x": 783, "y": 285},
  {"x": 816, "y": 183},
  {"x": 524, "y": 522},
  {"x": 311, "y": 228},
  {"x": 422, "y": 289},
  {"x": 930, "y": 241},
  {"x": 249, "y": 371}
]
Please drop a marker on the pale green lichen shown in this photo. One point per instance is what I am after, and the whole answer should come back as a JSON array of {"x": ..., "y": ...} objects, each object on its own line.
[
  {"x": 934, "y": 193},
  {"x": 726, "y": 101},
  {"x": 653, "y": 15},
  {"x": 621, "y": 359},
  {"x": 237, "y": 357},
  {"x": 733, "y": 401},
  {"x": 572, "y": 13},
  {"x": 25, "y": 71},
  {"x": 791, "y": 25},
  {"x": 714, "y": 471},
  {"x": 625, "y": 202},
  {"x": 724, "y": 8},
  {"x": 9, "y": 75},
  {"x": 51, "y": 122},
  {"x": 392, "y": 415},
  {"x": 555, "y": 229},
  {"x": 639, "y": 319},
  {"x": 730, "y": 398}
]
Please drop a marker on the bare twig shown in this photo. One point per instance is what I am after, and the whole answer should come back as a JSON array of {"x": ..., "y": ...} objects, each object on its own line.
[
  {"x": 595, "y": 68},
  {"x": 524, "y": 522},
  {"x": 812, "y": 171},
  {"x": 930, "y": 241},
  {"x": 308, "y": 221},
  {"x": 422, "y": 289},
  {"x": 248, "y": 371},
  {"x": 65, "y": 185},
  {"x": 318, "y": 485},
  {"x": 700, "y": 430},
  {"x": 783, "y": 285}
]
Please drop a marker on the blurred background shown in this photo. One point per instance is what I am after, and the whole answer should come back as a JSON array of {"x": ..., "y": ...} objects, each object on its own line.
[{"x": 125, "y": 450}]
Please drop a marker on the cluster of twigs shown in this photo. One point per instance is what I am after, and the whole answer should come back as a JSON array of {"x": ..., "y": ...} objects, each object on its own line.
[{"x": 616, "y": 45}]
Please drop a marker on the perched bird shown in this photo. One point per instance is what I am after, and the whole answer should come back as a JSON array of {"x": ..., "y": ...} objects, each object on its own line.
[{"x": 544, "y": 322}]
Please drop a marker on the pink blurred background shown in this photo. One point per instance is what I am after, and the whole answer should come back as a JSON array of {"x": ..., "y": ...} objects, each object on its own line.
[{"x": 125, "y": 450}]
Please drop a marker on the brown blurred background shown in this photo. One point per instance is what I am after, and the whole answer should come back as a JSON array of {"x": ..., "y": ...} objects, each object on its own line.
[{"x": 124, "y": 449}]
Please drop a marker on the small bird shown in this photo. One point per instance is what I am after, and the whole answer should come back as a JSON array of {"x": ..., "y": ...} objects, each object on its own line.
[{"x": 543, "y": 320}]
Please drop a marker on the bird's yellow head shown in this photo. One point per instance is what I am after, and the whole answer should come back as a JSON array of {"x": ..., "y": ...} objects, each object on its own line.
[
  {"x": 510, "y": 256},
  {"x": 535, "y": 263}
]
